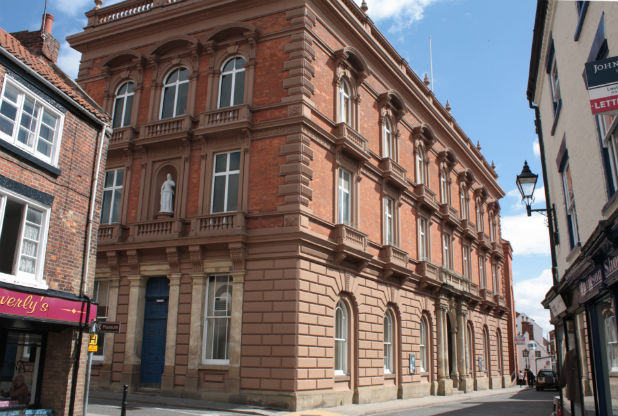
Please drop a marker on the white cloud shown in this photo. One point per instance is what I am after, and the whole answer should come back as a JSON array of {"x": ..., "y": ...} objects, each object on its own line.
[
  {"x": 528, "y": 235},
  {"x": 536, "y": 149},
  {"x": 74, "y": 7},
  {"x": 78, "y": 7},
  {"x": 405, "y": 12},
  {"x": 528, "y": 295},
  {"x": 68, "y": 60}
]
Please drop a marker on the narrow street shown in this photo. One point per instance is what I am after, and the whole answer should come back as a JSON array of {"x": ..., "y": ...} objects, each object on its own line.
[
  {"x": 511, "y": 402},
  {"x": 527, "y": 402}
]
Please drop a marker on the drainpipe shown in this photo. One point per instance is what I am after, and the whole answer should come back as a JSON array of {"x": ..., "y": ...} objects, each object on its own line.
[
  {"x": 86, "y": 260},
  {"x": 551, "y": 212}
]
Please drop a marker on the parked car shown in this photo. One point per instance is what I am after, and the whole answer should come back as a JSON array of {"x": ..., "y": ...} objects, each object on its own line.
[{"x": 546, "y": 379}]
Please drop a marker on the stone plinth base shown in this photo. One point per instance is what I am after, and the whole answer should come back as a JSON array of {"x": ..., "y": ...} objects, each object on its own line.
[
  {"x": 377, "y": 394},
  {"x": 495, "y": 382},
  {"x": 445, "y": 387},
  {"x": 481, "y": 383},
  {"x": 466, "y": 384},
  {"x": 410, "y": 390}
]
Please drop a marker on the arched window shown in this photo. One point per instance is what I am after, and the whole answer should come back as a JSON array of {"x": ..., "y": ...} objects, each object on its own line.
[
  {"x": 470, "y": 350},
  {"x": 123, "y": 105},
  {"x": 388, "y": 343},
  {"x": 341, "y": 338},
  {"x": 420, "y": 166},
  {"x": 485, "y": 351},
  {"x": 463, "y": 201},
  {"x": 345, "y": 106},
  {"x": 423, "y": 363},
  {"x": 232, "y": 84},
  {"x": 175, "y": 92},
  {"x": 387, "y": 142}
]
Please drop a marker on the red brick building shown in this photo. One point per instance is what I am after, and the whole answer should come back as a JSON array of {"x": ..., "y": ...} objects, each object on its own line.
[
  {"x": 52, "y": 146},
  {"x": 290, "y": 217}
]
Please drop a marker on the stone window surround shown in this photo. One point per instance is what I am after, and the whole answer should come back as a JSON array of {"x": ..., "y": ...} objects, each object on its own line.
[
  {"x": 125, "y": 96},
  {"x": 211, "y": 147},
  {"x": 427, "y": 220},
  {"x": 242, "y": 43},
  {"x": 391, "y": 109},
  {"x": 348, "y": 379},
  {"x": 395, "y": 197},
  {"x": 349, "y": 66},
  {"x": 121, "y": 68},
  {"x": 353, "y": 167}
]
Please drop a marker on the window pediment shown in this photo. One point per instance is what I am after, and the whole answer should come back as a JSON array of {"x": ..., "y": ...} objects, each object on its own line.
[
  {"x": 123, "y": 60},
  {"x": 466, "y": 177},
  {"x": 349, "y": 63},
  {"x": 425, "y": 134},
  {"x": 391, "y": 105},
  {"x": 447, "y": 159},
  {"x": 175, "y": 47},
  {"x": 230, "y": 31}
]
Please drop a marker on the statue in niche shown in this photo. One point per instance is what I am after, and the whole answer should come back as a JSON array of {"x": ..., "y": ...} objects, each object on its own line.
[{"x": 167, "y": 195}]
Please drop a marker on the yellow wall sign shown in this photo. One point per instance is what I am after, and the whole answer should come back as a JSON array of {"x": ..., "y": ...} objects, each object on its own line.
[{"x": 92, "y": 344}]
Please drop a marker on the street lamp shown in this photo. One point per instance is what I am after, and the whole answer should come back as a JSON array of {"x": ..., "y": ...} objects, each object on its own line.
[{"x": 526, "y": 182}]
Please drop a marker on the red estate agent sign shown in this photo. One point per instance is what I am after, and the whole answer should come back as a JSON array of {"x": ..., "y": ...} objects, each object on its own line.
[
  {"x": 602, "y": 77},
  {"x": 45, "y": 307}
]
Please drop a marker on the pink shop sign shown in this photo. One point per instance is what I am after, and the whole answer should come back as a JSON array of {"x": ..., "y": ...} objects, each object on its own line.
[{"x": 44, "y": 307}]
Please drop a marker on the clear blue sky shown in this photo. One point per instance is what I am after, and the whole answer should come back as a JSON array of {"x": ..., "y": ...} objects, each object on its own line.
[{"x": 481, "y": 55}]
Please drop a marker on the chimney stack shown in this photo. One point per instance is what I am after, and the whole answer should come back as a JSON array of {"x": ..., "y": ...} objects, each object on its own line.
[
  {"x": 41, "y": 42},
  {"x": 48, "y": 23}
]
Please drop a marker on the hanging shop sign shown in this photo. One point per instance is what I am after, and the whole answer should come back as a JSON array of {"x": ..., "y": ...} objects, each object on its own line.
[
  {"x": 590, "y": 285},
  {"x": 602, "y": 77},
  {"x": 44, "y": 307},
  {"x": 520, "y": 340}
]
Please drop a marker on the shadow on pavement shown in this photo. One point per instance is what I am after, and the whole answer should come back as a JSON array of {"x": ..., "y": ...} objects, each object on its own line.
[{"x": 528, "y": 402}]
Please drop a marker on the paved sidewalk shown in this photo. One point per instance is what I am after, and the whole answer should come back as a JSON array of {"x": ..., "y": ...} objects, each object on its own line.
[{"x": 146, "y": 399}]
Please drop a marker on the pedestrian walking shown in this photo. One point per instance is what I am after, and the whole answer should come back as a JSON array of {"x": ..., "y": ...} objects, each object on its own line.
[{"x": 520, "y": 378}]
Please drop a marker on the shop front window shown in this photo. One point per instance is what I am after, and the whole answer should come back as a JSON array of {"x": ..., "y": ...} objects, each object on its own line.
[{"x": 20, "y": 364}]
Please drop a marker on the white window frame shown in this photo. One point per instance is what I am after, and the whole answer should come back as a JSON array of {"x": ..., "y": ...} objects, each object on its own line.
[
  {"x": 112, "y": 189},
  {"x": 486, "y": 353},
  {"x": 463, "y": 201},
  {"x": 554, "y": 83},
  {"x": 492, "y": 227},
  {"x": 176, "y": 85},
  {"x": 17, "y": 276},
  {"x": 210, "y": 318},
  {"x": 124, "y": 97},
  {"x": 24, "y": 92},
  {"x": 227, "y": 173},
  {"x": 388, "y": 343},
  {"x": 447, "y": 251},
  {"x": 389, "y": 221},
  {"x": 610, "y": 142},
  {"x": 495, "y": 277},
  {"x": 341, "y": 338},
  {"x": 482, "y": 275},
  {"x": 344, "y": 214},
  {"x": 480, "y": 216},
  {"x": 422, "y": 364},
  {"x": 388, "y": 146},
  {"x": 345, "y": 102},
  {"x": 466, "y": 263},
  {"x": 423, "y": 239},
  {"x": 234, "y": 72},
  {"x": 569, "y": 201},
  {"x": 445, "y": 192},
  {"x": 421, "y": 178}
]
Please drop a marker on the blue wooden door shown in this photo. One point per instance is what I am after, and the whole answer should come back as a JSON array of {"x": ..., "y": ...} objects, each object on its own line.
[{"x": 155, "y": 327}]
